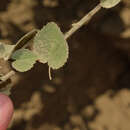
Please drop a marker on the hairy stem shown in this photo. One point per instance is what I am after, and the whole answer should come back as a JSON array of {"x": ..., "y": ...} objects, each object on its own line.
[
  {"x": 7, "y": 76},
  {"x": 83, "y": 21}
]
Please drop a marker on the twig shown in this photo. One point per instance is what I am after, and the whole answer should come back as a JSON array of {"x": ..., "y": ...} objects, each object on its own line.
[
  {"x": 7, "y": 76},
  {"x": 31, "y": 34},
  {"x": 83, "y": 21}
]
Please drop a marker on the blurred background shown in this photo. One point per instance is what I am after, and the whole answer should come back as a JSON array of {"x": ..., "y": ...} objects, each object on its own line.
[{"x": 91, "y": 92}]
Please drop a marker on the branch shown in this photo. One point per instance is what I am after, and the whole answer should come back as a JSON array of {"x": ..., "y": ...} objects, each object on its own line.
[
  {"x": 83, "y": 21},
  {"x": 7, "y": 76},
  {"x": 30, "y": 35}
]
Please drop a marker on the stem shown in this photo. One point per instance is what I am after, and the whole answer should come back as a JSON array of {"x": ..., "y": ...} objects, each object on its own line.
[
  {"x": 83, "y": 21},
  {"x": 7, "y": 76}
]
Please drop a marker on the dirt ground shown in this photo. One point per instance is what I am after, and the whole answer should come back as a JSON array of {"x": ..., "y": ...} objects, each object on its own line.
[{"x": 91, "y": 92}]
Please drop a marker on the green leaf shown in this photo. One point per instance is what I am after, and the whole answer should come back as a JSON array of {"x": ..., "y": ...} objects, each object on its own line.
[
  {"x": 6, "y": 50},
  {"x": 6, "y": 90},
  {"x": 41, "y": 47},
  {"x": 51, "y": 46},
  {"x": 24, "y": 60},
  {"x": 109, "y": 3},
  {"x": 24, "y": 40},
  {"x": 23, "y": 65},
  {"x": 22, "y": 54}
]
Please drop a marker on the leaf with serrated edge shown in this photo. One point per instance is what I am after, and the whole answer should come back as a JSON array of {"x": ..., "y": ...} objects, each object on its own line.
[
  {"x": 23, "y": 54},
  {"x": 53, "y": 46},
  {"x": 25, "y": 59},
  {"x": 23, "y": 65},
  {"x": 5, "y": 50},
  {"x": 58, "y": 52},
  {"x": 109, "y": 3},
  {"x": 41, "y": 46}
]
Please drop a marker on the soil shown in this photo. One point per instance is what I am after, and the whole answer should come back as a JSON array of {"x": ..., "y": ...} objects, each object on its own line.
[{"x": 91, "y": 92}]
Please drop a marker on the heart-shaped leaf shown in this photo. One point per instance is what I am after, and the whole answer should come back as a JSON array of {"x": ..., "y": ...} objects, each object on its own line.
[
  {"x": 24, "y": 60},
  {"x": 109, "y": 3},
  {"x": 51, "y": 46}
]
